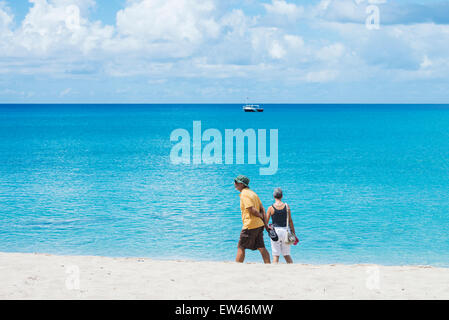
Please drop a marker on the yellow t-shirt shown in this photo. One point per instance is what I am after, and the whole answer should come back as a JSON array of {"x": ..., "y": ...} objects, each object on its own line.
[{"x": 249, "y": 198}]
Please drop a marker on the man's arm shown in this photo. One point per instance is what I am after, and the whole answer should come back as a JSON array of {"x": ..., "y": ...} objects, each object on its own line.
[
  {"x": 260, "y": 214},
  {"x": 249, "y": 204},
  {"x": 264, "y": 214},
  {"x": 255, "y": 213},
  {"x": 268, "y": 214}
]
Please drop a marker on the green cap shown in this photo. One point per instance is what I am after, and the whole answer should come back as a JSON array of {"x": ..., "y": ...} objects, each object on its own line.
[{"x": 242, "y": 179}]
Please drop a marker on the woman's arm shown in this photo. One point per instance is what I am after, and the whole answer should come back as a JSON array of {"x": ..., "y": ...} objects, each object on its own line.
[
  {"x": 290, "y": 222},
  {"x": 269, "y": 213}
]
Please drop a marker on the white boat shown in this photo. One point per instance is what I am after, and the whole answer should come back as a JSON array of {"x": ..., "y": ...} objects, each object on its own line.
[{"x": 252, "y": 108}]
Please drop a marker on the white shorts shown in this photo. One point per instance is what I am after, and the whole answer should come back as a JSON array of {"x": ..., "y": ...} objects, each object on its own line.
[{"x": 279, "y": 248}]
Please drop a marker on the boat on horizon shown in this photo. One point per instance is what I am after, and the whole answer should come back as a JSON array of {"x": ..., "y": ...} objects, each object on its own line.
[{"x": 252, "y": 108}]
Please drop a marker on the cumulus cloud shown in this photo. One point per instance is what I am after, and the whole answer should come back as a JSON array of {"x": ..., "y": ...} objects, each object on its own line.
[
  {"x": 173, "y": 28},
  {"x": 321, "y": 76},
  {"x": 55, "y": 27},
  {"x": 5, "y": 18},
  {"x": 391, "y": 12},
  {"x": 331, "y": 52},
  {"x": 393, "y": 47},
  {"x": 159, "y": 39},
  {"x": 283, "y": 8},
  {"x": 168, "y": 20},
  {"x": 236, "y": 23},
  {"x": 413, "y": 13},
  {"x": 277, "y": 51}
]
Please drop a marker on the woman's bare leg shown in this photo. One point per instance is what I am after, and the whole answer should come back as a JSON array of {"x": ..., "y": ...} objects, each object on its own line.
[{"x": 275, "y": 259}]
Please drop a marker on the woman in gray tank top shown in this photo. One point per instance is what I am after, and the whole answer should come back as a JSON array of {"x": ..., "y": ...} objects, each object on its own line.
[{"x": 279, "y": 212}]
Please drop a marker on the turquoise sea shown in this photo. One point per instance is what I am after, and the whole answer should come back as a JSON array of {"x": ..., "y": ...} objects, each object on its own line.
[{"x": 366, "y": 183}]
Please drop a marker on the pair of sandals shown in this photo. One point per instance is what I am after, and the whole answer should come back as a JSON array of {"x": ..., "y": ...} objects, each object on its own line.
[{"x": 272, "y": 233}]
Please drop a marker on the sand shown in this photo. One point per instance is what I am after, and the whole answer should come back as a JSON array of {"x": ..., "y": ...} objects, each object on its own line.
[{"x": 42, "y": 276}]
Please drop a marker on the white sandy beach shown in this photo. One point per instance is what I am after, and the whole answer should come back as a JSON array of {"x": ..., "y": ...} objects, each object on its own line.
[{"x": 41, "y": 276}]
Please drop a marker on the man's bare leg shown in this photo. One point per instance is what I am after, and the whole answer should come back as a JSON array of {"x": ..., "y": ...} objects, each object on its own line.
[
  {"x": 275, "y": 259},
  {"x": 288, "y": 259},
  {"x": 240, "y": 255},
  {"x": 265, "y": 255}
]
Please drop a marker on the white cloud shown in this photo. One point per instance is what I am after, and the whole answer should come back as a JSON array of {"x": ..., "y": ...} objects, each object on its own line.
[
  {"x": 344, "y": 11},
  {"x": 393, "y": 47},
  {"x": 168, "y": 20},
  {"x": 137, "y": 67},
  {"x": 426, "y": 62},
  {"x": 238, "y": 23},
  {"x": 265, "y": 42},
  {"x": 191, "y": 38},
  {"x": 165, "y": 28},
  {"x": 331, "y": 52},
  {"x": 276, "y": 50},
  {"x": 56, "y": 26},
  {"x": 283, "y": 8},
  {"x": 321, "y": 76},
  {"x": 294, "y": 41},
  {"x": 5, "y": 18}
]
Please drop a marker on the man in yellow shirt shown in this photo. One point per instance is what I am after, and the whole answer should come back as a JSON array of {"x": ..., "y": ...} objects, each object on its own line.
[{"x": 253, "y": 218}]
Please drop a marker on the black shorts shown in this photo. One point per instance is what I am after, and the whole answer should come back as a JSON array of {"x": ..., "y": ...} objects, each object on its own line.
[{"x": 251, "y": 239}]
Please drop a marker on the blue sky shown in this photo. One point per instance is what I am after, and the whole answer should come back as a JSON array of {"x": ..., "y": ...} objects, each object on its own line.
[{"x": 271, "y": 51}]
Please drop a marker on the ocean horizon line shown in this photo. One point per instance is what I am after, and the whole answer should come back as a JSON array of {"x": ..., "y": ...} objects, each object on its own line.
[{"x": 226, "y": 103}]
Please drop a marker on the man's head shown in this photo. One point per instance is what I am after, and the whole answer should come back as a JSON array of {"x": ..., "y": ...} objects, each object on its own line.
[{"x": 241, "y": 182}]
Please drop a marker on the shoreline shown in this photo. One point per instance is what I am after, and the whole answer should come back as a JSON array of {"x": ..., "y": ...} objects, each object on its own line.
[
  {"x": 46, "y": 276},
  {"x": 282, "y": 261}
]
